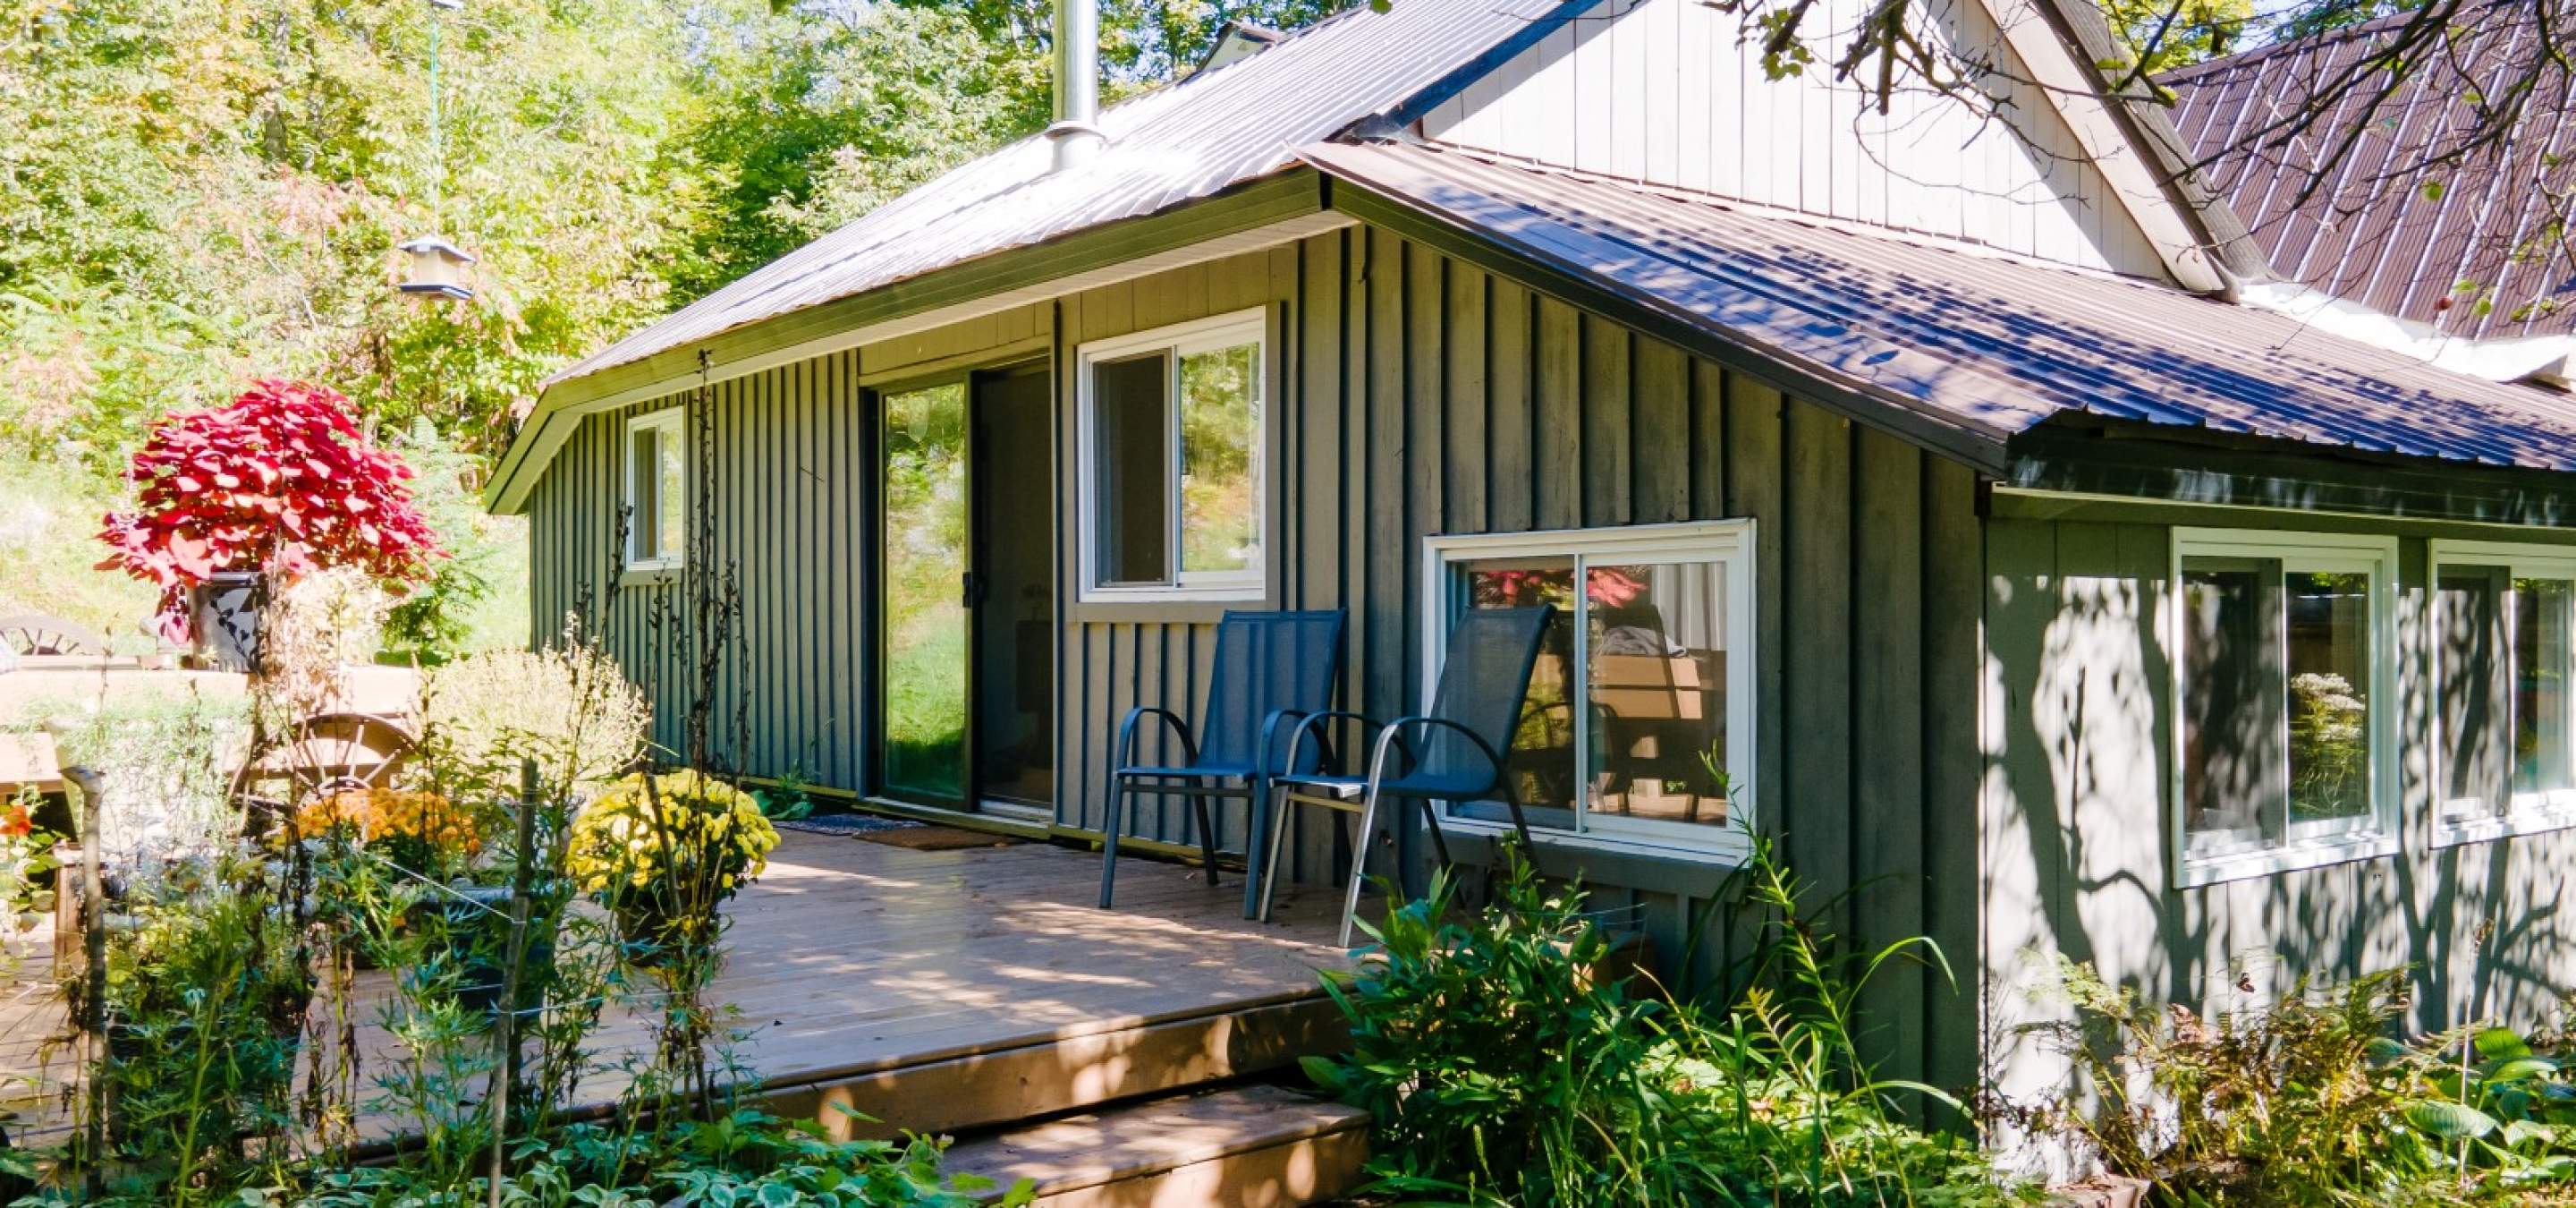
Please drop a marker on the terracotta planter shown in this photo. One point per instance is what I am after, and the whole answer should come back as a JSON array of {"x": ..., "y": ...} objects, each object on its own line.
[{"x": 224, "y": 615}]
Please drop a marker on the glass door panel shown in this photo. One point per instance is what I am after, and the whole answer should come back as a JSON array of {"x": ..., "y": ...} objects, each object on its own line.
[{"x": 925, "y": 638}]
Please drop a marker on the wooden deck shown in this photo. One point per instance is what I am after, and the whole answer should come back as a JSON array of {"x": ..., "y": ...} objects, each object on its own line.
[{"x": 853, "y": 959}]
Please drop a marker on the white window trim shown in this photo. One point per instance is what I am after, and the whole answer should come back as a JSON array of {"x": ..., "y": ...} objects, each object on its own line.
[
  {"x": 2377, "y": 555},
  {"x": 1176, "y": 341},
  {"x": 2524, "y": 813},
  {"x": 1728, "y": 541},
  {"x": 670, "y": 422}
]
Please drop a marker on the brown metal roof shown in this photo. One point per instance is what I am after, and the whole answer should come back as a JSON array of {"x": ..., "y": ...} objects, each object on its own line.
[
  {"x": 2383, "y": 231},
  {"x": 1992, "y": 346}
]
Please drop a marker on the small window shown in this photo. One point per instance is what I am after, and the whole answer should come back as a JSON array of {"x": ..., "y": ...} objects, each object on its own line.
[
  {"x": 1637, "y": 729},
  {"x": 1173, "y": 426},
  {"x": 2284, "y": 711},
  {"x": 2504, "y": 650},
  {"x": 657, "y": 494}
]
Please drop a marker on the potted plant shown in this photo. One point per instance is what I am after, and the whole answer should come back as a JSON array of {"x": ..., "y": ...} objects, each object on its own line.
[
  {"x": 279, "y": 482},
  {"x": 663, "y": 854},
  {"x": 425, "y": 845}
]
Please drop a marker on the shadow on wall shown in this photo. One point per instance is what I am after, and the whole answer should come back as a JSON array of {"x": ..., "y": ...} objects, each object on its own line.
[{"x": 2077, "y": 865}]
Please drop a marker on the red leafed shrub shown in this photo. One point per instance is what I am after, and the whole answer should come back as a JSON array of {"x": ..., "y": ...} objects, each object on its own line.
[{"x": 281, "y": 481}]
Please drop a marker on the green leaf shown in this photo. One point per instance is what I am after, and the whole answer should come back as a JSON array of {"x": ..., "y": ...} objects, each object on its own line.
[
  {"x": 2501, "y": 1044},
  {"x": 2519, "y": 1068},
  {"x": 2449, "y": 1121}
]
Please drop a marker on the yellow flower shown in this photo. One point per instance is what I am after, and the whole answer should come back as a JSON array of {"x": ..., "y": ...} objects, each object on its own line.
[{"x": 702, "y": 828}]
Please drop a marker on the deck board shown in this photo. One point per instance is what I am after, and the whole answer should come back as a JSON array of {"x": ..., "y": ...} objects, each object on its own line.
[{"x": 852, "y": 957}]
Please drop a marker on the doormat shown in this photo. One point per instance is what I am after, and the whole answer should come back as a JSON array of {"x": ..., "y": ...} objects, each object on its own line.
[
  {"x": 940, "y": 838},
  {"x": 850, "y": 824}
]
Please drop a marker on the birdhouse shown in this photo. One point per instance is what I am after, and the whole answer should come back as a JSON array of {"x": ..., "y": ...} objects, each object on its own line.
[{"x": 438, "y": 267}]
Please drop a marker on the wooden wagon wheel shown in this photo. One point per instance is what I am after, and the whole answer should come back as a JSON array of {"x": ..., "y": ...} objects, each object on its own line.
[
  {"x": 327, "y": 753},
  {"x": 36, "y": 633}
]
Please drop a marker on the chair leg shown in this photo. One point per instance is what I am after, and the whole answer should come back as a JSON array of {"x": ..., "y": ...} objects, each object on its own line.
[
  {"x": 1207, "y": 830},
  {"x": 1256, "y": 834},
  {"x": 1278, "y": 839},
  {"x": 1360, "y": 848},
  {"x": 1115, "y": 804},
  {"x": 1431, "y": 822}
]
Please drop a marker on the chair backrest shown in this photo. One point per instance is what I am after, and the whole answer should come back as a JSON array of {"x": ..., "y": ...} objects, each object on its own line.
[
  {"x": 1267, "y": 661},
  {"x": 1484, "y": 676}
]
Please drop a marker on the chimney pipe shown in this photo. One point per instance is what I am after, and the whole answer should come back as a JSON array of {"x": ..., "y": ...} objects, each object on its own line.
[{"x": 1076, "y": 133}]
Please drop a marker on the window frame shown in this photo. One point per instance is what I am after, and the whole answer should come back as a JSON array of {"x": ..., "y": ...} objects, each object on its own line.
[
  {"x": 1229, "y": 330},
  {"x": 2523, "y": 813},
  {"x": 669, "y": 424},
  {"x": 1730, "y": 543},
  {"x": 2297, "y": 552}
]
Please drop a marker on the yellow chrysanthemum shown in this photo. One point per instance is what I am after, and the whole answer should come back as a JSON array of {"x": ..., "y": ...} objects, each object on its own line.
[{"x": 702, "y": 826}]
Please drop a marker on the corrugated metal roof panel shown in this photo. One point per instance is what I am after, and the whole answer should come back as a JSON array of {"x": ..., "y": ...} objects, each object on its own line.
[
  {"x": 2375, "y": 233},
  {"x": 1991, "y": 344},
  {"x": 1218, "y": 128}
]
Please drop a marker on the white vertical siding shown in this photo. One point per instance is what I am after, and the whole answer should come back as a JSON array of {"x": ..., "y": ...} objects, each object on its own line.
[{"x": 1668, "y": 92}]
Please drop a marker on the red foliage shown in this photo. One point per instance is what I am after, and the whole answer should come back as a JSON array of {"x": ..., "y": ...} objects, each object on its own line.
[{"x": 281, "y": 481}]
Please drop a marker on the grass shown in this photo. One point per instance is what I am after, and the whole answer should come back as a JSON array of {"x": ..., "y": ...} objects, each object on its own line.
[{"x": 49, "y": 522}]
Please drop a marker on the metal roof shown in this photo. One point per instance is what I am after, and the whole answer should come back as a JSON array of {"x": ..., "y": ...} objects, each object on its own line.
[
  {"x": 2376, "y": 234},
  {"x": 1219, "y": 127},
  {"x": 1991, "y": 345}
]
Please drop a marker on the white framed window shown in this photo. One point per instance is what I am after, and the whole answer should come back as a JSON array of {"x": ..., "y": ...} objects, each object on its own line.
[
  {"x": 2285, "y": 704},
  {"x": 1174, "y": 461},
  {"x": 657, "y": 490},
  {"x": 1640, "y": 713},
  {"x": 2504, "y": 652}
]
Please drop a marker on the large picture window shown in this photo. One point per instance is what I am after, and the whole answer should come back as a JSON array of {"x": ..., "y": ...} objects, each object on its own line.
[
  {"x": 2503, "y": 621},
  {"x": 2284, "y": 703},
  {"x": 657, "y": 494},
  {"x": 1173, "y": 450},
  {"x": 1639, "y": 715}
]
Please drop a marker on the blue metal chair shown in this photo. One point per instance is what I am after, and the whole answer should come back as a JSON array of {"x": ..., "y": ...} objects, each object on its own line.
[
  {"x": 1272, "y": 669},
  {"x": 1462, "y": 756}
]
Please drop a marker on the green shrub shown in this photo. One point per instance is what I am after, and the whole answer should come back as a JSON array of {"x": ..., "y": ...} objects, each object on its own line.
[
  {"x": 1504, "y": 1067},
  {"x": 2314, "y": 1100}
]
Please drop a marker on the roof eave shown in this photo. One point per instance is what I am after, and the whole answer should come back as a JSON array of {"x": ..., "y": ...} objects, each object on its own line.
[
  {"x": 944, "y": 295},
  {"x": 2076, "y": 457}
]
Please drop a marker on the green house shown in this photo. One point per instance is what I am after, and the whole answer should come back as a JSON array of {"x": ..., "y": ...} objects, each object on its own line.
[{"x": 1962, "y": 480}]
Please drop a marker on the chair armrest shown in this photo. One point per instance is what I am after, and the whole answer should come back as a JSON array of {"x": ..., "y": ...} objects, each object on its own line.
[
  {"x": 1127, "y": 735},
  {"x": 1392, "y": 738},
  {"x": 1306, "y": 724}
]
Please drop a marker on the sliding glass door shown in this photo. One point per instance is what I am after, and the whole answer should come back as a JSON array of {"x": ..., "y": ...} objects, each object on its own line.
[{"x": 924, "y": 606}]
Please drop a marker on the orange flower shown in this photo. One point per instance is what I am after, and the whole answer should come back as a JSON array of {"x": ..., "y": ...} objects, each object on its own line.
[
  {"x": 380, "y": 814},
  {"x": 15, "y": 822}
]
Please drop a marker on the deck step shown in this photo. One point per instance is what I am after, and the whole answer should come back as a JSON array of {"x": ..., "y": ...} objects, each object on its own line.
[
  {"x": 1247, "y": 1147},
  {"x": 1040, "y": 1076}
]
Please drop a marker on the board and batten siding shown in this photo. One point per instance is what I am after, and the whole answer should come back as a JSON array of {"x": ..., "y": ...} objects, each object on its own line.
[
  {"x": 1609, "y": 93},
  {"x": 2078, "y": 720},
  {"x": 1420, "y": 395}
]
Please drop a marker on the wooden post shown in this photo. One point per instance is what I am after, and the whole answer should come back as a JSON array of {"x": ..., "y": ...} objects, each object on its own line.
[
  {"x": 94, "y": 950},
  {"x": 505, "y": 1024}
]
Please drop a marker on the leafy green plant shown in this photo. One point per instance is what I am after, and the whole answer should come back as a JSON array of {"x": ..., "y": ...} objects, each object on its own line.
[
  {"x": 205, "y": 1006},
  {"x": 1505, "y": 1063},
  {"x": 787, "y": 800},
  {"x": 2312, "y": 1100}
]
